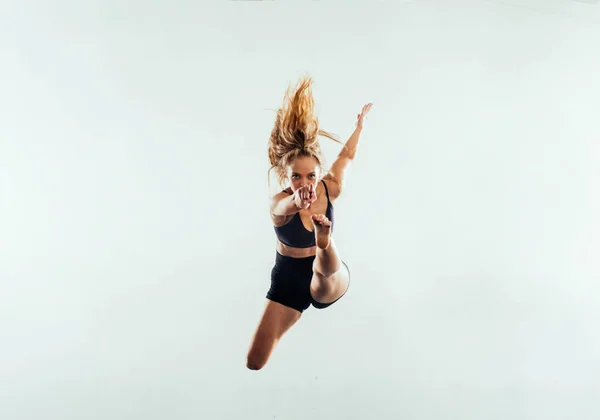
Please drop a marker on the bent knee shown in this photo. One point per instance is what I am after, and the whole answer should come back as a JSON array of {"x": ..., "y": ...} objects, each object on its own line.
[
  {"x": 321, "y": 287},
  {"x": 258, "y": 355},
  {"x": 324, "y": 272},
  {"x": 253, "y": 366},
  {"x": 254, "y": 363}
]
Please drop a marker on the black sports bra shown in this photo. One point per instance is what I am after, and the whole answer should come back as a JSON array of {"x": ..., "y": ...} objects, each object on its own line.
[{"x": 294, "y": 233}]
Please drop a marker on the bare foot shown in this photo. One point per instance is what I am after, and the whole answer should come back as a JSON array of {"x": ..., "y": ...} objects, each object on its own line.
[{"x": 322, "y": 229}]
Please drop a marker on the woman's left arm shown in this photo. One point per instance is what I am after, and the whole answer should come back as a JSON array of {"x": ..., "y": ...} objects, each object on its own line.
[
  {"x": 338, "y": 170},
  {"x": 352, "y": 143}
]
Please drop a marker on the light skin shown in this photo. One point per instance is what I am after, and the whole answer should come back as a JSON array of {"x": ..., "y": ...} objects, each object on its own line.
[{"x": 330, "y": 278}]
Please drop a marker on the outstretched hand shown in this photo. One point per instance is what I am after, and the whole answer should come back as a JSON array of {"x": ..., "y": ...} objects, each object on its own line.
[
  {"x": 361, "y": 117},
  {"x": 305, "y": 196}
]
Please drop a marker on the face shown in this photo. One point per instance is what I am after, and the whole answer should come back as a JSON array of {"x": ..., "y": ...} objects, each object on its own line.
[{"x": 303, "y": 171}]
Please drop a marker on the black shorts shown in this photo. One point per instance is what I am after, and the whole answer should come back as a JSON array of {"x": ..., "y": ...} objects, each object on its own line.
[{"x": 290, "y": 282}]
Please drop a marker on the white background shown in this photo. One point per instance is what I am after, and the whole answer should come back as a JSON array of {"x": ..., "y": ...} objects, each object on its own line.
[{"x": 136, "y": 244}]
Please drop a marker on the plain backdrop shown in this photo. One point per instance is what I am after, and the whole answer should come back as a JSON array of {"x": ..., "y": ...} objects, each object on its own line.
[{"x": 135, "y": 238}]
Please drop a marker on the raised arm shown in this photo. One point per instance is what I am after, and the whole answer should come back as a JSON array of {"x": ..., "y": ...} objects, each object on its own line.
[{"x": 337, "y": 173}]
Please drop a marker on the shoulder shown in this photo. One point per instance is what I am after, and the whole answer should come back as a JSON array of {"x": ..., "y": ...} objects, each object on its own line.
[
  {"x": 275, "y": 198},
  {"x": 278, "y": 220},
  {"x": 334, "y": 186}
]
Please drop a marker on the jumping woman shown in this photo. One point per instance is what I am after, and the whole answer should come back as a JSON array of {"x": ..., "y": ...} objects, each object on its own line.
[{"x": 308, "y": 268}]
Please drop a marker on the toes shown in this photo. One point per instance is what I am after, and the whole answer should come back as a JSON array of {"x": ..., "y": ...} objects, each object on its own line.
[{"x": 321, "y": 219}]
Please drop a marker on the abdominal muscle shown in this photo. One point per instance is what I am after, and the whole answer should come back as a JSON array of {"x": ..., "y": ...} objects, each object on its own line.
[{"x": 290, "y": 251}]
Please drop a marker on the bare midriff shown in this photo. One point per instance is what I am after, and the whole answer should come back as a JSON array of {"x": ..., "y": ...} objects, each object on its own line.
[{"x": 295, "y": 252}]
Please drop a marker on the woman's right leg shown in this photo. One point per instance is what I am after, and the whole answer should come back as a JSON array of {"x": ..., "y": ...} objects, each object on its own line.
[{"x": 276, "y": 320}]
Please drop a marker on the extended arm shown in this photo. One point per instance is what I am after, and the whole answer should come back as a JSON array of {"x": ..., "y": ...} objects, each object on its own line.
[
  {"x": 283, "y": 206},
  {"x": 337, "y": 172},
  {"x": 349, "y": 152}
]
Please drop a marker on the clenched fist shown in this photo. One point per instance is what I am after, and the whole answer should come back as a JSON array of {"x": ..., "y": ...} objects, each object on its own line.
[{"x": 305, "y": 196}]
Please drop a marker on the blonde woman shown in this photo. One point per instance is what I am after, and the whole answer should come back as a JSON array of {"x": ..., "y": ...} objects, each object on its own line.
[{"x": 308, "y": 269}]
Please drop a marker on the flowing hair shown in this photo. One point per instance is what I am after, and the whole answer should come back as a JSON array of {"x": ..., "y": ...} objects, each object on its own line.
[{"x": 296, "y": 130}]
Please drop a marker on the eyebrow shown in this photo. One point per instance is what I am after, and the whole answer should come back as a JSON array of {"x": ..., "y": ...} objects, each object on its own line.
[{"x": 298, "y": 173}]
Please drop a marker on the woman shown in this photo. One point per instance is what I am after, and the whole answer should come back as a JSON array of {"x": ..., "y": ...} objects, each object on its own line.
[{"x": 308, "y": 269}]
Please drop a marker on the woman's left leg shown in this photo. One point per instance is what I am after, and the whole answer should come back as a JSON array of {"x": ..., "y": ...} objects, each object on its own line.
[{"x": 330, "y": 277}]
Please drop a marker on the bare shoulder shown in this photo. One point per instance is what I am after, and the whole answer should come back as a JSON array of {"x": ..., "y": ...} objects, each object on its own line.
[
  {"x": 278, "y": 220},
  {"x": 275, "y": 199},
  {"x": 334, "y": 187}
]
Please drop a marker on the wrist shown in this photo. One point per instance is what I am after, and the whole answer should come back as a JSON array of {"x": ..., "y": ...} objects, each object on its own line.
[{"x": 296, "y": 206}]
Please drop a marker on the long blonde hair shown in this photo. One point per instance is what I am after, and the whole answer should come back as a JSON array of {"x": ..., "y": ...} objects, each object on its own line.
[{"x": 296, "y": 130}]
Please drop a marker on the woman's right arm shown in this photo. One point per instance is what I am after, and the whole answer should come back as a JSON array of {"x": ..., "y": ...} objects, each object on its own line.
[{"x": 283, "y": 204}]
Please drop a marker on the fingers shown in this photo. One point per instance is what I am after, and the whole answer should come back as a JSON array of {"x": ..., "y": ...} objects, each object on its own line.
[
  {"x": 365, "y": 109},
  {"x": 304, "y": 193},
  {"x": 307, "y": 193}
]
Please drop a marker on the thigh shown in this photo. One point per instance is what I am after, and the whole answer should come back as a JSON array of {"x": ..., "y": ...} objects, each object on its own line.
[
  {"x": 276, "y": 320},
  {"x": 325, "y": 291}
]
